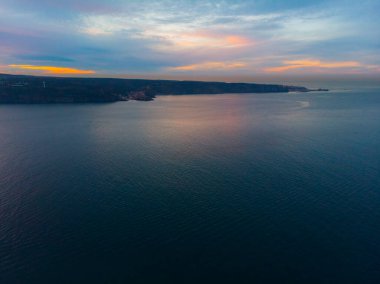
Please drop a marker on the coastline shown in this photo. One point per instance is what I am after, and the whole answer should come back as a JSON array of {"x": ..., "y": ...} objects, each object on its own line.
[{"x": 21, "y": 89}]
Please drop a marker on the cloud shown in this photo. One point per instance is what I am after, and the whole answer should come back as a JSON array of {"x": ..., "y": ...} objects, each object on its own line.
[
  {"x": 53, "y": 69},
  {"x": 50, "y": 58},
  {"x": 210, "y": 66},
  {"x": 163, "y": 36},
  {"x": 169, "y": 33},
  {"x": 310, "y": 63},
  {"x": 206, "y": 39}
]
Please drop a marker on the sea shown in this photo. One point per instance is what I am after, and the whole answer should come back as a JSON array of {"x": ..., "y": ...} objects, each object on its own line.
[{"x": 233, "y": 188}]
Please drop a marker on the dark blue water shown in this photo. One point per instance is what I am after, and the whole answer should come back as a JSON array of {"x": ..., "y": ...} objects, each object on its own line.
[{"x": 261, "y": 188}]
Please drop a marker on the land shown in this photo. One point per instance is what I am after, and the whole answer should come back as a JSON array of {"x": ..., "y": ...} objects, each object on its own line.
[{"x": 20, "y": 89}]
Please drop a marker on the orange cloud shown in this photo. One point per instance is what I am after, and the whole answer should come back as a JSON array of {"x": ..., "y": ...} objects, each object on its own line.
[
  {"x": 210, "y": 66},
  {"x": 208, "y": 40},
  {"x": 308, "y": 63},
  {"x": 237, "y": 40},
  {"x": 52, "y": 69}
]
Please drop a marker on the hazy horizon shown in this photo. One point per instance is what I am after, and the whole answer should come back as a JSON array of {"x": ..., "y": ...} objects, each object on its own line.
[{"x": 343, "y": 79}]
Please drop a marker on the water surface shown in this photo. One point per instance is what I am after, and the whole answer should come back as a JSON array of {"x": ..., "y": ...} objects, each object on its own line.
[{"x": 258, "y": 188}]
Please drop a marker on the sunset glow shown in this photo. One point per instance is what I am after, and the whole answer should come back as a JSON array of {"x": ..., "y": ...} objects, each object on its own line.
[
  {"x": 209, "y": 40},
  {"x": 239, "y": 40},
  {"x": 52, "y": 69},
  {"x": 298, "y": 64}
]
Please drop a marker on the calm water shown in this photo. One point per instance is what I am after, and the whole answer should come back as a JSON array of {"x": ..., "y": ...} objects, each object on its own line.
[{"x": 261, "y": 188}]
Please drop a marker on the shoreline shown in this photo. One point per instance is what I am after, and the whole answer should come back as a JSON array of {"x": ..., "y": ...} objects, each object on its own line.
[{"x": 22, "y": 89}]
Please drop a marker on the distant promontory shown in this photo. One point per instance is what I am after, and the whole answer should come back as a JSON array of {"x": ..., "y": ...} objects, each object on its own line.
[{"x": 19, "y": 89}]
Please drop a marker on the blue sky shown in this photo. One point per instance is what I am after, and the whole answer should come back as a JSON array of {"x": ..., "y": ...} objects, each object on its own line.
[{"x": 190, "y": 39}]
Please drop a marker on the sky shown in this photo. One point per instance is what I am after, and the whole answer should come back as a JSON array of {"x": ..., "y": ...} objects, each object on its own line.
[{"x": 237, "y": 40}]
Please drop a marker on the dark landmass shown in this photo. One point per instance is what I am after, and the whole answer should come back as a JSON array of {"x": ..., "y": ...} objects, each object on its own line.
[{"x": 20, "y": 89}]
